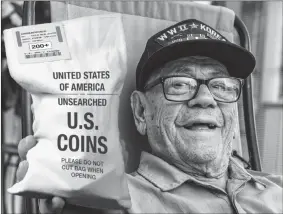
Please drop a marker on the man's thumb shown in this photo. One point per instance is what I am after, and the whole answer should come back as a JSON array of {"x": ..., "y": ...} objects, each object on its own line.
[
  {"x": 57, "y": 205},
  {"x": 53, "y": 205}
]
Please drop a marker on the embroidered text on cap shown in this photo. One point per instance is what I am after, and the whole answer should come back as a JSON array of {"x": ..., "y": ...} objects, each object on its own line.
[{"x": 187, "y": 30}]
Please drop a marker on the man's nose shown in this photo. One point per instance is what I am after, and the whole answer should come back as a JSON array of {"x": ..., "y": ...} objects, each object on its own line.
[{"x": 203, "y": 99}]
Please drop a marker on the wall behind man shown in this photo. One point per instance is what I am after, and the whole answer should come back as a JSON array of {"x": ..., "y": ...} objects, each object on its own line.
[{"x": 264, "y": 22}]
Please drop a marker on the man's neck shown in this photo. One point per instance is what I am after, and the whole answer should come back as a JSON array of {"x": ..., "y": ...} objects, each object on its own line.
[
  {"x": 219, "y": 182},
  {"x": 214, "y": 173}
]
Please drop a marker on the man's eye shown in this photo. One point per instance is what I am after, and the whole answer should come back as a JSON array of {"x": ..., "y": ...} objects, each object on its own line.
[
  {"x": 230, "y": 89},
  {"x": 179, "y": 85},
  {"x": 219, "y": 87}
]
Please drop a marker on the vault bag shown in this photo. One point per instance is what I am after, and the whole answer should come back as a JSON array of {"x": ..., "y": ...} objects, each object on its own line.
[{"x": 75, "y": 72}]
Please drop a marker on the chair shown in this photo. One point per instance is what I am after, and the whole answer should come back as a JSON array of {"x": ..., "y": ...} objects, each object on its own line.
[{"x": 90, "y": 8}]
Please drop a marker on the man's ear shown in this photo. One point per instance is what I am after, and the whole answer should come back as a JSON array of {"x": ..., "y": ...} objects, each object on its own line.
[{"x": 138, "y": 109}]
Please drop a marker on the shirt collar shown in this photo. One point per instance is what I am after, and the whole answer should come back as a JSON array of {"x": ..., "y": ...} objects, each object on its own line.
[{"x": 167, "y": 177}]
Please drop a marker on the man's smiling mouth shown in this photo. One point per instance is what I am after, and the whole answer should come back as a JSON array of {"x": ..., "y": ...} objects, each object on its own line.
[{"x": 200, "y": 126}]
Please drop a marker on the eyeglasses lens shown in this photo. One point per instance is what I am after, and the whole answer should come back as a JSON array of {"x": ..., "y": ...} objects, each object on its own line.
[
  {"x": 225, "y": 89},
  {"x": 180, "y": 88}
]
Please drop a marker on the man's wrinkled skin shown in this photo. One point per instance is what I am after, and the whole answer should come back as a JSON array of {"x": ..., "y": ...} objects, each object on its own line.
[{"x": 205, "y": 155}]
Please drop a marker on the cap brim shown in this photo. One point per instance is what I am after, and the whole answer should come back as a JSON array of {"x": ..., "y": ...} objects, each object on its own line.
[{"x": 238, "y": 61}]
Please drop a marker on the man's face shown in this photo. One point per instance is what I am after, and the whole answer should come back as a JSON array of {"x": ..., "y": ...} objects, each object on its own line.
[{"x": 190, "y": 133}]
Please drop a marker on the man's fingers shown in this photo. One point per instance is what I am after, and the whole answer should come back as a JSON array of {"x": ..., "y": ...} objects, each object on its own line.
[
  {"x": 53, "y": 205},
  {"x": 25, "y": 145},
  {"x": 22, "y": 170},
  {"x": 57, "y": 205}
]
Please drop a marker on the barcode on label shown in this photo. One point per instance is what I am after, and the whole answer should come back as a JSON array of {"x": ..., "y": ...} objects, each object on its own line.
[{"x": 40, "y": 55}]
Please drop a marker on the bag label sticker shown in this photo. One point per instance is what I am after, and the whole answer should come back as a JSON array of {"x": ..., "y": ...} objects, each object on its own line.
[{"x": 42, "y": 43}]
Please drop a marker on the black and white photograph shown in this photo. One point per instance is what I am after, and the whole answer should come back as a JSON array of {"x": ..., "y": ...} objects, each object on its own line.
[{"x": 137, "y": 107}]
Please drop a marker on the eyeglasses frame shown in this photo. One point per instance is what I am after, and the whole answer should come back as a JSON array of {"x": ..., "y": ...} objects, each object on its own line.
[{"x": 199, "y": 83}]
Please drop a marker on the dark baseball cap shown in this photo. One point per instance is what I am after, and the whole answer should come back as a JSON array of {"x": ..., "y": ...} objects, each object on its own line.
[{"x": 192, "y": 38}]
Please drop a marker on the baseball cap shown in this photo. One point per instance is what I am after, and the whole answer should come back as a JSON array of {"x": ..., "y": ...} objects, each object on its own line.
[{"x": 192, "y": 38}]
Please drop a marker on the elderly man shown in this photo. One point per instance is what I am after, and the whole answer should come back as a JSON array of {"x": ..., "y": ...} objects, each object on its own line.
[{"x": 188, "y": 81}]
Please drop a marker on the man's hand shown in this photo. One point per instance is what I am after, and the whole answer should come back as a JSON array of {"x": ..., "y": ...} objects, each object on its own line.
[{"x": 54, "y": 205}]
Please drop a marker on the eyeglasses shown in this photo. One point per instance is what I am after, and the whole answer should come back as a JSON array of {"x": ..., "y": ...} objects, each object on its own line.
[{"x": 183, "y": 88}]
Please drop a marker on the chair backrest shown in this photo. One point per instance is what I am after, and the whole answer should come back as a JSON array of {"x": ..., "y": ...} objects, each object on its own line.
[
  {"x": 142, "y": 20},
  {"x": 153, "y": 16}
]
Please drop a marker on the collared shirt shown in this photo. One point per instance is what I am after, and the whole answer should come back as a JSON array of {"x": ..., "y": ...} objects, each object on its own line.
[{"x": 158, "y": 187}]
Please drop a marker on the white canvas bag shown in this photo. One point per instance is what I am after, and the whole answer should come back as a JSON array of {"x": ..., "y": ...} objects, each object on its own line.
[{"x": 75, "y": 107}]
